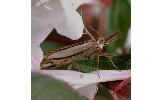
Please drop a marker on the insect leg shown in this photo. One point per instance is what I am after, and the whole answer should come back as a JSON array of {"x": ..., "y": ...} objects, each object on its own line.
[
  {"x": 50, "y": 66},
  {"x": 71, "y": 65},
  {"x": 108, "y": 56},
  {"x": 98, "y": 65},
  {"x": 112, "y": 62}
]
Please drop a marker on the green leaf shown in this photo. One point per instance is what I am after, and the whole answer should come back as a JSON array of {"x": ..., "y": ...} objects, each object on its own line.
[
  {"x": 119, "y": 19},
  {"x": 48, "y": 46},
  {"x": 123, "y": 62},
  {"x": 47, "y": 88},
  {"x": 104, "y": 92}
]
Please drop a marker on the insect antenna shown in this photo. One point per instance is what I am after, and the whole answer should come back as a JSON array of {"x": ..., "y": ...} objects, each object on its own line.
[
  {"x": 114, "y": 36},
  {"x": 92, "y": 30},
  {"x": 89, "y": 33}
]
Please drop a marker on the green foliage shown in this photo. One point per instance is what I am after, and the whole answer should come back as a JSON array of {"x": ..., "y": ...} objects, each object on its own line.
[
  {"x": 104, "y": 92},
  {"x": 119, "y": 19},
  {"x": 46, "y": 88},
  {"x": 48, "y": 46},
  {"x": 121, "y": 61}
]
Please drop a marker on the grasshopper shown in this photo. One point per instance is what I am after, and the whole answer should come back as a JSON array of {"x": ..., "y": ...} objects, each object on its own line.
[{"x": 88, "y": 49}]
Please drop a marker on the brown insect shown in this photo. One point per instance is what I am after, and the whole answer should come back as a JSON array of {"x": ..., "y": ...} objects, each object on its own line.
[{"x": 87, "y": 49}]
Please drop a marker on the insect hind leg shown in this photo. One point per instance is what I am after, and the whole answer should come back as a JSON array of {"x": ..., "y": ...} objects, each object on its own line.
[
  {"x": 98, "y": 59},
  {"x": 112, "y": 62},
  {"x": 108, "y": 56},
  {"x": 71, "y": 65}
]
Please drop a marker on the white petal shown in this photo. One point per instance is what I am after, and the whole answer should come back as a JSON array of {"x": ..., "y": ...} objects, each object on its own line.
[
  {"x": 112, "y": 75},
  {"x": 62, "y": 16},
  {"x": 88, "y": 91},
  {"x": 71, "y": 25},
  {"x": 82, "y": 79},
  {"x": 49, "y": 14},
  {"x": 56, "y": 14},
  {"x": 77, "y": 3},
  {"x": 41, "y": 22},
  {"x": 86, "y": 83},
  {"x": 37, "y": 56}
]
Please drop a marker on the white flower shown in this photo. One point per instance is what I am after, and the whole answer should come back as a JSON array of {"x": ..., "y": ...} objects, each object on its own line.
[
  {"x": 58, "y": 14},
  {"x": 86, "y": 83},
  {"x": 62, "y": 15}
]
